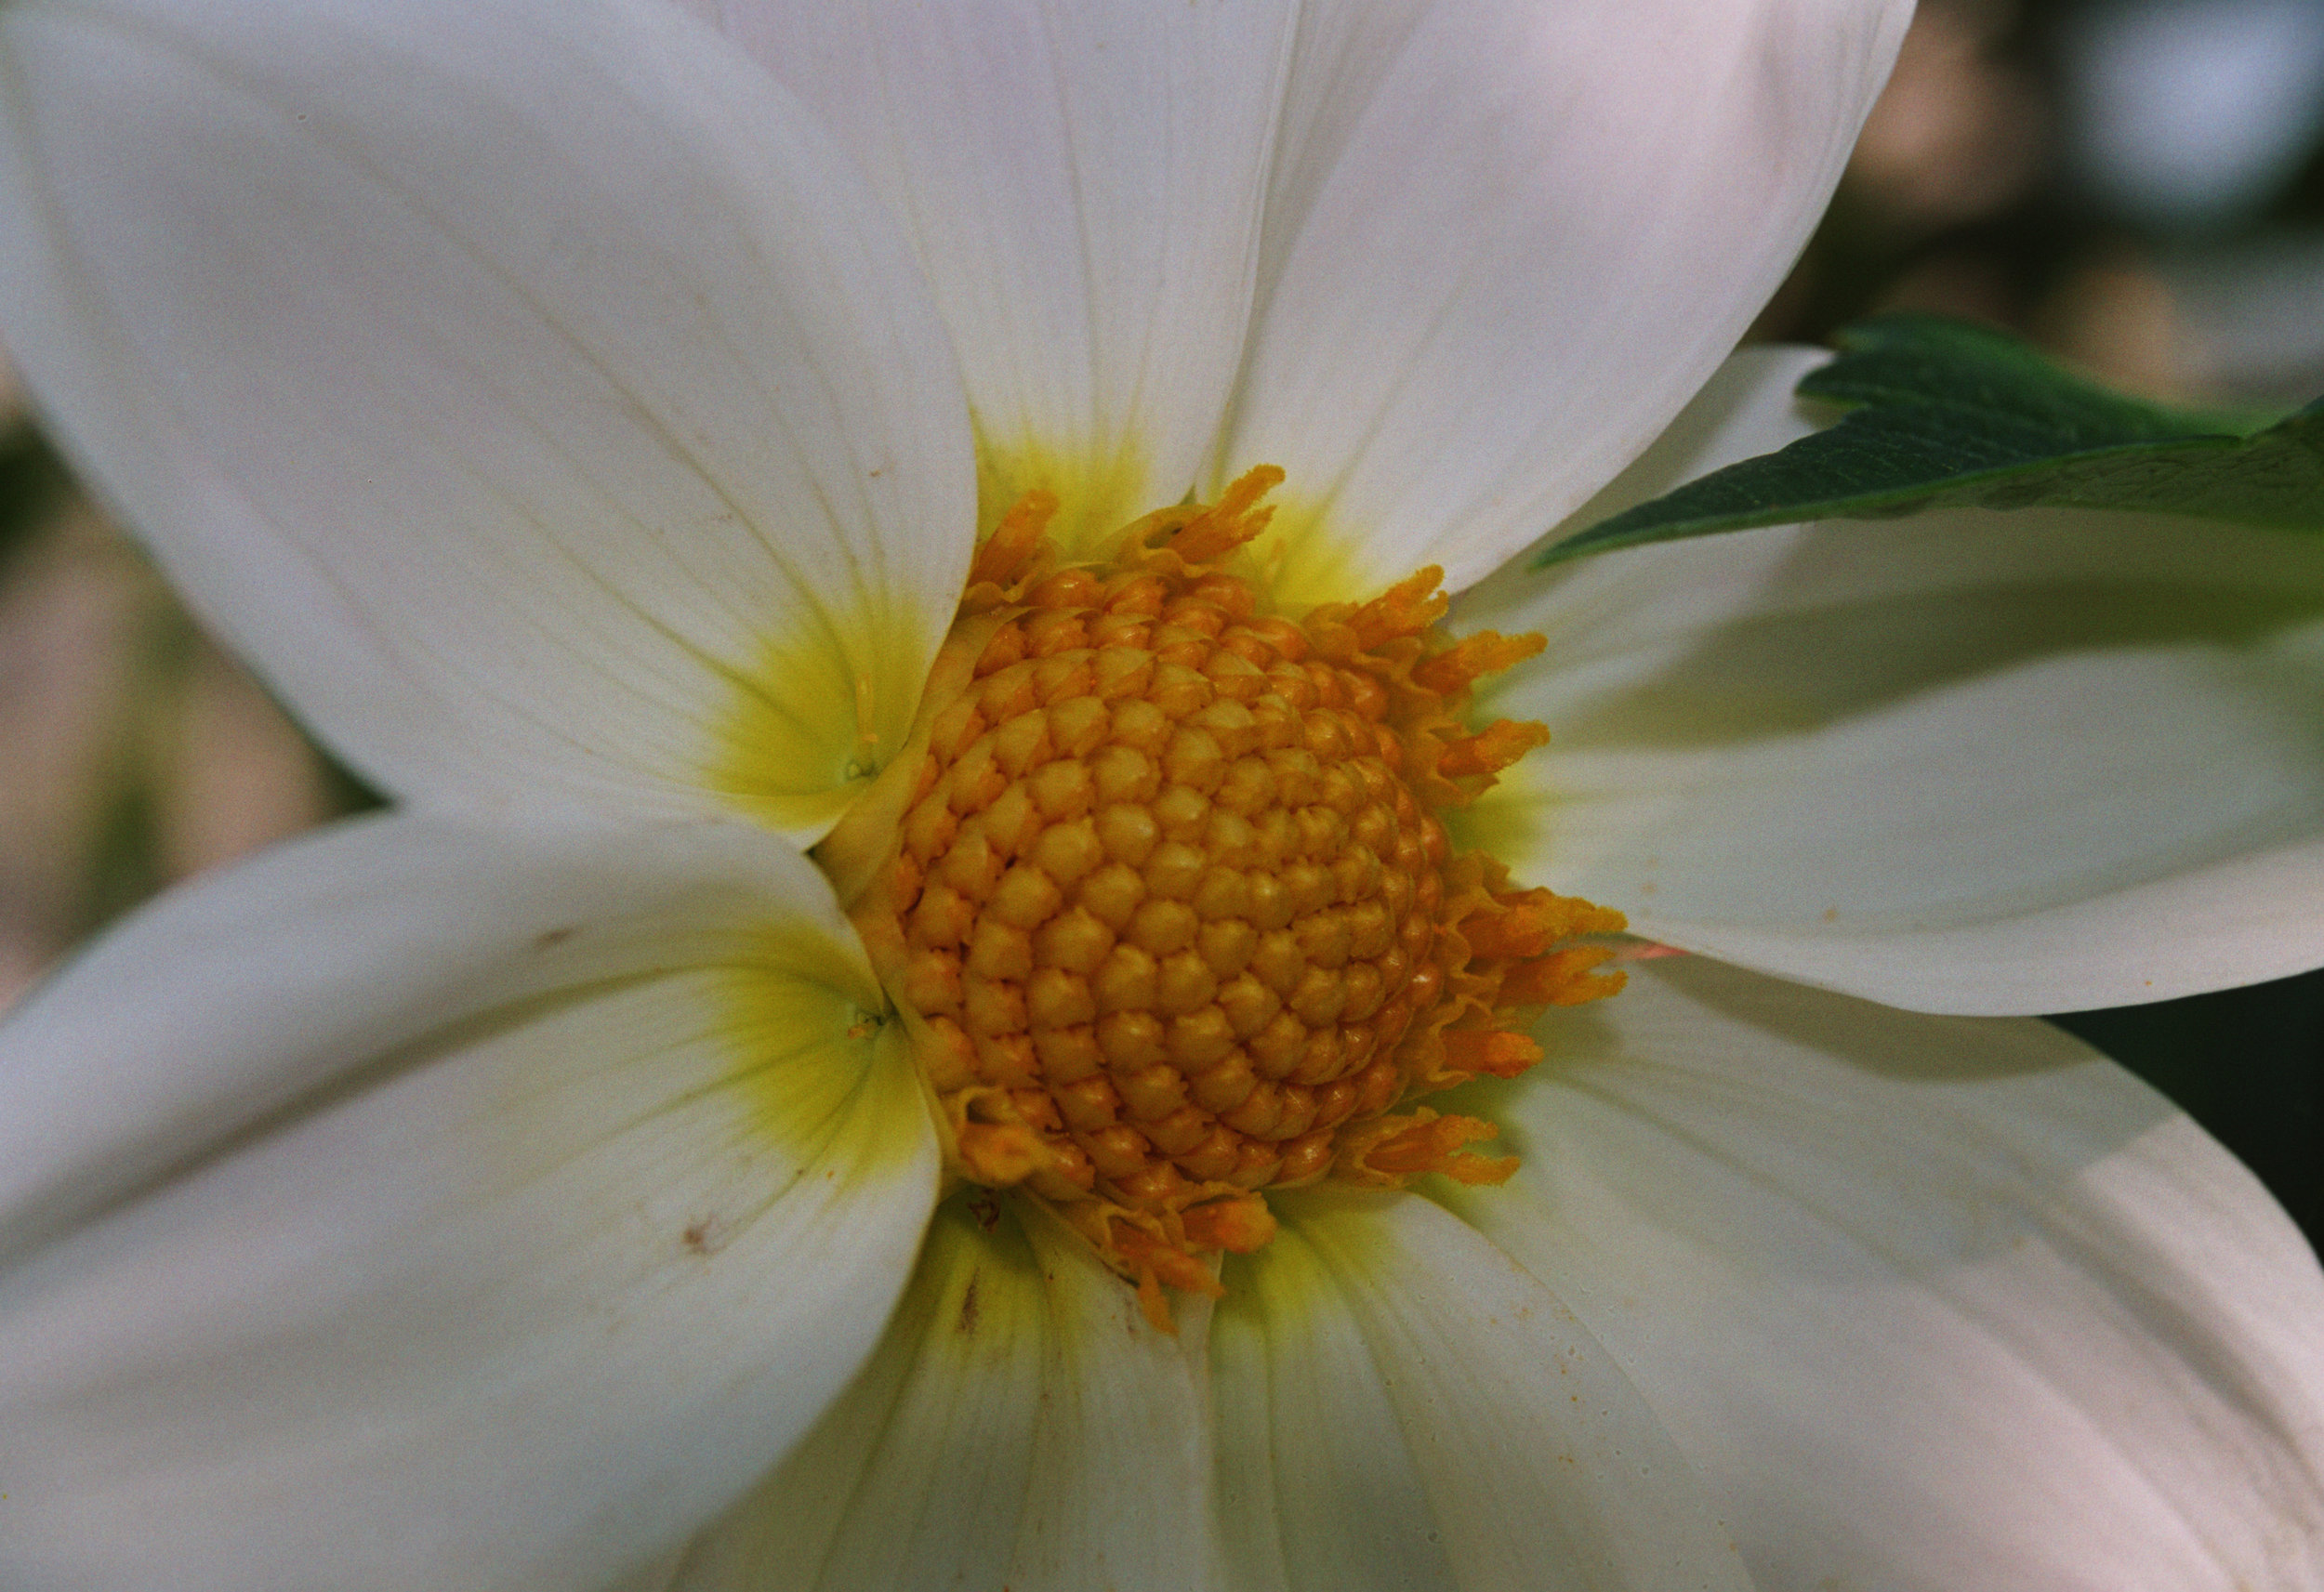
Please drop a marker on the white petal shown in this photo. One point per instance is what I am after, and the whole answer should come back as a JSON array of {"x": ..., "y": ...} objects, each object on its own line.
[
  {"x": 654, "y": 1577},
  {"x": 1965, "y": 762},
  {"x": 1021, "y": 1425},
  {"x": 1506, "y": 242},
  {"x": 1083, "y": 181},
  {"x": 1399, "y": 1406},
  {"x": 1939, "y": 1303},
  {"x": 420, "y": 1208},
  {"x": 1748, "y": 406},
  {"x": 525, "y": 385}
]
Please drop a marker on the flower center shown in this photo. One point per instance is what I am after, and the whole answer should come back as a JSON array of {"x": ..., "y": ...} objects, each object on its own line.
[{"x": 1173, "y": 903}]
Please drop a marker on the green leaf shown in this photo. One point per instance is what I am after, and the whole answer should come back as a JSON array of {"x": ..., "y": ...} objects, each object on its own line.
[{"x": 1943, "y": 414}]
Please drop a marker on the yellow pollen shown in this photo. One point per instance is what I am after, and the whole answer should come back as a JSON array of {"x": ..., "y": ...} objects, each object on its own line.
[{"x": 1173, "y": 903}]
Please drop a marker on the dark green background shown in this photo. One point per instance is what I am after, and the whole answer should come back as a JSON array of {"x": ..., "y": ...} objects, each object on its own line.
[{"x": 2248, "y": 1065}]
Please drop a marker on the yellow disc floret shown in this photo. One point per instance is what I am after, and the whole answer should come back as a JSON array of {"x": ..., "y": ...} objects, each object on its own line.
[{"x": 1171, "y": 901}]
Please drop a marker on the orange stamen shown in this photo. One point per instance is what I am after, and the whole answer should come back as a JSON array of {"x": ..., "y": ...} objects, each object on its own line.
[
  {"x": 1232, "y": 520},
  {"x": 1563, "y": 978},
  {"x": 1405, "y": 608},
  {"x": 1427, "y": 1142},
  {"x": 1473, "y": 657},
  {"x": 1491, "y": 749},
  {"x": 1239, "y": 1226},
  {"x": 1014, "y": 539},
  {"x": 1492, "y": 1051},
  {"x": 998, "y": 1155}
]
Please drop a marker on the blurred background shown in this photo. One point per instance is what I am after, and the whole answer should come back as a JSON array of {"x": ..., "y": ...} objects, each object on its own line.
[{"x": 2136, "y": 185}]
